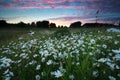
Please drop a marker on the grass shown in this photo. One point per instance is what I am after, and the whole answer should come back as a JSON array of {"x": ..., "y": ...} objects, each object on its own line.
[
  {"x": 12, "y": 34},
  {"x": 39, "y": 55}
]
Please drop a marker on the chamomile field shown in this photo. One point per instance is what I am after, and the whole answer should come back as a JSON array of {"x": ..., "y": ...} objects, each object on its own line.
[{"x": 60, "y": 54}]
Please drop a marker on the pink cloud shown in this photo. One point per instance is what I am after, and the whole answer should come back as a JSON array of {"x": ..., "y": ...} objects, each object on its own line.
[
  {"x": 28, "y": 7},
  {"x": 55, "y": 1},
  {"x": 18, "y": 2},
  {"x": 69, "y": 0},
  {"x": 9, "y": 5},
  {"x": 44, "y": 4},
  {"x": 87, "y": 5}
]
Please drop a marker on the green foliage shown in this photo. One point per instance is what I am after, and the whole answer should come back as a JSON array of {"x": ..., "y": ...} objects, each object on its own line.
[{"x": 61, "y": 33}]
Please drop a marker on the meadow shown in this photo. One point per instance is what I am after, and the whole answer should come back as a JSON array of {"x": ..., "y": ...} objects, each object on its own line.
[{"x": 59, "y": 54}]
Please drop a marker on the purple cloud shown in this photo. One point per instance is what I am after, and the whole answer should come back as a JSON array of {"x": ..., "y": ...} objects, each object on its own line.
[{"x": 104, "y": 5}]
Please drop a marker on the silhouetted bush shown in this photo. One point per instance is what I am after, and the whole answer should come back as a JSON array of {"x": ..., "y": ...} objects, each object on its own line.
[
  {"x": 97, "y": 25},
  {"x": 3, "y": 23},
  {"x": 58, "y": 26},
  {"x": 62, "y": 33},
  {"x": 75, "y": 24},
  {"x": 52, "y": 25},
  {"x": 21, "y": 24},
  {"x": 38, "y": 23},
  {"x": 33, "y": 24},
  {"x": 65, "y": 27}
]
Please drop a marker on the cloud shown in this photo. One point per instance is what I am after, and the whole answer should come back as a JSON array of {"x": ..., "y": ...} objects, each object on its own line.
[
  {"x": 89, "y": 18},
  {"x": 105, "y": 5},
  {"x": 109, "y": 9}
]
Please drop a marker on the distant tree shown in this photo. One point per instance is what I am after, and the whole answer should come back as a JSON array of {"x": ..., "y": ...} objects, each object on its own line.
[
  {"x": 61, "y": 26},
  {"x": 58, "y": 26},
  {"x": 38, "y": 23},
  {"x": 65, "y": 27},
  {"x": 3, "y": 23},
  {"x": 33, "y": 24},
  {"x": 21, "y": 24},
  {"x": 52, "y": 25},
  {"x": 43, "y": 24},
  {"x": 91, "y": 25},
  {"x": 75, "y": 24},
  {"x": 97, "y": 25}
]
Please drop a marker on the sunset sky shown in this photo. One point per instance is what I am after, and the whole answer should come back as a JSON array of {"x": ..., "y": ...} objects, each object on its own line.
[{"x": 61, "y": 12}]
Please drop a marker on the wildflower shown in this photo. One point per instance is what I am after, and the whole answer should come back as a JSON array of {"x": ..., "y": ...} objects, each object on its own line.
[
  {"x": 77, "y": 63},
  {"x": 31, "y": 33},
  {"x": 116, "y": 42},
  {"x": 92, "y": 41},
  {"x": 32, "y": 62},
  {"x": 58, "y": 74},
  {"x": 63, "y": 45},
  {"x": 43, "y": 73},
  {"x": 80, "y": 42},
  {"x": 8, "y": 51},
  {"x": 7, "y": 78},
  {"x": 6, "y": 62},
  {"x": 91, "y": 53},
  {"x": 19, "y": 61},
  {"x": 55, "y": 56},
  {"x": 112, "y": 66},
  {"x": 116, "y": 57},
  {"x": 71, "y": 77},
  {"x": 25, "y": 56},
  {"x": 62, "y": 69},
  {"x": 35, "y": 55},
  {"x": 43, "y": 59},
  {"x": 46, "y": 53},
  {"x": 37, "y": 77},
  {"x": 38, "y": 67},
  {"x": 111, "y": 78},
  {"x": 118, "y": 75},
  {"x": 8, "y": 74},
  {"x": 113, "y": 30},
  {"x": 102, "y": 60},
  {"x": 24, "y": 46},
  {"x": 11, "y": 74},
  {"x": 7, "y": 71},
  {"x": 116, "y": 51},
  {"x": 95, "y": 73},
  {"x": 104, "y": 46},
  {"x": 52, "y": 73},
  {"x": 20, "y": 38},
  {"x": 49, "y": 62}
]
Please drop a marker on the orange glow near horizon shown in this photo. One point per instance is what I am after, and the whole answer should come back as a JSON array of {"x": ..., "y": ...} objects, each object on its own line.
[
  {"x": 61, "y": 23},
  {"x": 65, "y": 23},
  {"x": 58, "y": 22}
]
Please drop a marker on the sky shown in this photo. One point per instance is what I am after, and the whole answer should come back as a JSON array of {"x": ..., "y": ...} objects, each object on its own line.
[{"x": 61, "y": 12}]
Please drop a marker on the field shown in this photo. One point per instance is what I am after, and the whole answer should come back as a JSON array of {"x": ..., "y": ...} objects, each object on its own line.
[{"x": 59, "y": 54}]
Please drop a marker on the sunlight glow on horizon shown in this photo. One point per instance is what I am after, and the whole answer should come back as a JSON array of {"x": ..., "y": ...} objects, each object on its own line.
[{"x": 58, "y": 22}]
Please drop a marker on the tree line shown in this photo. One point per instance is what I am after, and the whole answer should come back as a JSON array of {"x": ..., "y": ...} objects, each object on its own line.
[
  {"x": 40, "y": 24},
  {"x": 47, "y": 24}
]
